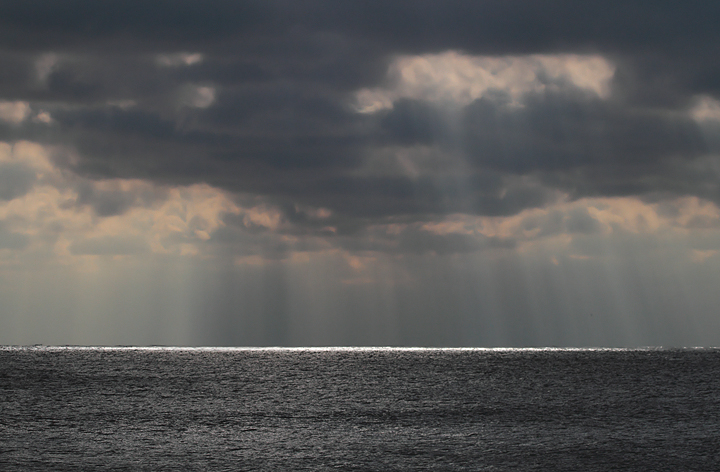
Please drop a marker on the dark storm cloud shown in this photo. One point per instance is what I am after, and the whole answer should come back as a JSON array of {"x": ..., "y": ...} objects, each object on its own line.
[
  {"x": 555, "y": 130},
  {"x": 82, "y": 23},
  {"x": 561, "y": 131},
  {"x": 374, "y": 198},
  {"x": 115, "y": 201},
  {"x": 489, "y": 27},
  {"x": 414, "y": 122},
  {"x": 278, "y": 79},
  {"x": 664, "y": 46},
  {"x": 105, "y": 203},
  {"x": 241, "y": 237}
]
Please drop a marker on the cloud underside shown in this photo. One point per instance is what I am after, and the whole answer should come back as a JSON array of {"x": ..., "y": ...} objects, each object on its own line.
[
  {"x": 507, "y": 172},
  {"x": 328, "y": 121}
]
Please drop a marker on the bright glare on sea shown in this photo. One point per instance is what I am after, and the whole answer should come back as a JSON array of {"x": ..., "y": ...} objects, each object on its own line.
[{"x": 359, "y": 409}]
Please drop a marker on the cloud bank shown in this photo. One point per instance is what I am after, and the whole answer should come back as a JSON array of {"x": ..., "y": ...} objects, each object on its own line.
[{"x": 454, "y": 173}]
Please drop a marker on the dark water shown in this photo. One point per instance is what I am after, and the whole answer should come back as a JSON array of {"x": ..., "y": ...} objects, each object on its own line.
[{"x": 494, "y": 410}]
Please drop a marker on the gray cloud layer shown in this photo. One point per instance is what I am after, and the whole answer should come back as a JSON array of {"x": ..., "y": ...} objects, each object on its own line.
[{"x": 280, "y": 123}]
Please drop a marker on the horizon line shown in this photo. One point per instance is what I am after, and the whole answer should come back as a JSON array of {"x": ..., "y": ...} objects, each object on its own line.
[{"x": 344, "y": 348}]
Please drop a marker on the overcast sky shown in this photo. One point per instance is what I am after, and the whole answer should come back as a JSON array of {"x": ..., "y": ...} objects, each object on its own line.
[{"x": 410, "y": 173}]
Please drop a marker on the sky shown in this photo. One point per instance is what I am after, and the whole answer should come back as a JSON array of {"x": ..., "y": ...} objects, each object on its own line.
[{"x": 487, "y": 173}]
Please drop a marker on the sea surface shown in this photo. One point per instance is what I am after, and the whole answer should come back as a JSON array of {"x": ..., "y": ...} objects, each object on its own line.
[{"x": 359, "y": 409}]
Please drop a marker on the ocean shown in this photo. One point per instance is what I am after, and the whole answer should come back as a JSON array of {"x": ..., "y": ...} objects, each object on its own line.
[{"x": 155, "y": 409}]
